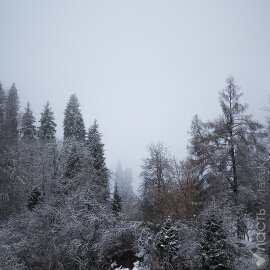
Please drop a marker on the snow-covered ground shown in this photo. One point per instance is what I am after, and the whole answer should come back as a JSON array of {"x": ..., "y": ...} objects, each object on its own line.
[{"x": 135, "y": 267}]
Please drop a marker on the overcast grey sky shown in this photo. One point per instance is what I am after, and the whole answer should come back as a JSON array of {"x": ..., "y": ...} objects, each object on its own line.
[{"x": 143, "y": 68}]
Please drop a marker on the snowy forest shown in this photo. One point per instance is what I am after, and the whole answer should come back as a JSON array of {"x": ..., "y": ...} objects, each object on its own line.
[{"x": 62, "y": 208}]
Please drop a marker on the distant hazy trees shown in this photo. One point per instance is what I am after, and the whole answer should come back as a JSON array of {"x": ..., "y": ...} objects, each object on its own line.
[
  {"x": 117, "y": 202},
  {"x": 123, "y": 180}
]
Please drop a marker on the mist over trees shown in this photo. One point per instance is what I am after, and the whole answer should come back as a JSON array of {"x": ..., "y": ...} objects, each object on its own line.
[{"x": 61, "y": 207}]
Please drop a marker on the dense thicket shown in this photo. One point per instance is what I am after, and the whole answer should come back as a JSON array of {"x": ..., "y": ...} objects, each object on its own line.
[{"x": 58, "y": 210}]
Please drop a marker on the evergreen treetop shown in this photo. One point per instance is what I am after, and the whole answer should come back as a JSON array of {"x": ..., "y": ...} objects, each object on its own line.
[
  {"x": 12, "y": 108},
  {"x": 28, "y": 128},
  {"x": 97, "y": 156},
  {"x": 116, "y": 206},
  {"x": 46, "y": 131},
  {"x": 2, "y": 106},
  {"x": 96, "y": 149},
  {"x": 73, "y": 120}
]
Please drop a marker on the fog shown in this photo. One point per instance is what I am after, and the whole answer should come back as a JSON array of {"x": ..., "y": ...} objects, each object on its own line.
[{"x": 143, "y": 69}]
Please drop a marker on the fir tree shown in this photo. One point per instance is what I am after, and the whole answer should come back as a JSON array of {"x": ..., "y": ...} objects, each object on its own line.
[
  {"x": 73, "y": 120},
  {"x": 11, "y": 189},
  {"x": 34, "y": 198},
  {"x": 46, "y": 131},
  {"x": 28, "y": 128},
  {"x": 215, "y": 250},
  {"x": 12, "y": 107},
  {"x": 96, "y": 150},
  {"x": 116, "y": 206},
  {"x": 2, "y": 110},
  {"x": 167, "y": 245},
  {"x": 73, "y": 161},
  {"x": 2, "y": 103}
]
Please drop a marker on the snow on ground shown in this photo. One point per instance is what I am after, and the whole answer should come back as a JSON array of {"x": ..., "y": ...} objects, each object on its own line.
[{"x": 136, "y": 267}]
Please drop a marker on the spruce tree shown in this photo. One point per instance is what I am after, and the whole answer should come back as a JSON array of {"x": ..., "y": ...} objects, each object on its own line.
[
  {"x": 46, "y": 130},
  {"x": 2, "y": 103},
  {"x": 96, "y": 150},
  {"x": 215, "y": 250},
  {"x": 12, "y": 108},
  {"x": 116, "y": 206},
  {"x": 73, "y": 121},
  {"x": 2, "y": 111},
  {"x": 28, "y": 128},
  {"x": 167, "y": 245},
  {"x": 11, "y": 189},
  {"x": 73, "y": 160},
  {"x": 34, "y": 198}
]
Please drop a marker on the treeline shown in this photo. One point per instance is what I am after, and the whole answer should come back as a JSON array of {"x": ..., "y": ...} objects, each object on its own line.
[{"x": 58, "y": 211}]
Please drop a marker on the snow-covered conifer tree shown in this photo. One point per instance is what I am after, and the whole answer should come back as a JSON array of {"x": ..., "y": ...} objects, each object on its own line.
[
  {"x": 116, "y": 205},
  {"x": 73, "y": 120},
  {"x": 10, "y": 199},
  {"x": 73, "y": 162},
  {"x": 12, "y": 108},
  {"x": 167, "y": 245},
  {"x": 2, "y": 107},
  {"x": 46, "y": 131},
  {"x": 215, "y": 250},
  {"x": 96, "y": 151},
  {"x": 28, "y": 128}
]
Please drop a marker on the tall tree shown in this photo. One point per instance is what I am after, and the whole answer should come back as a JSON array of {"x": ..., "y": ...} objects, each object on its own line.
[
  {"x": 73, "y": 160},
  {"x": 73, "y": 120},
  {"x": 226, "y": 148},
  {"x": 2, "y": 112},
  {"x": 116, "y": 205},
  {"x": 156, "y": 175},
  {"x": 28, "y": 128},
  {"x": 96, "y": 151},
  {"x": 10, "y": 186},
  {"x": 12, "y": 108},
  {"x": 216, "y": 252},
  {"x": 186, "y": 193},
  {"x": 2, "y": 104},
  {"x": 123, "y": 179},
  {"x": 46, "y": 130}
]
